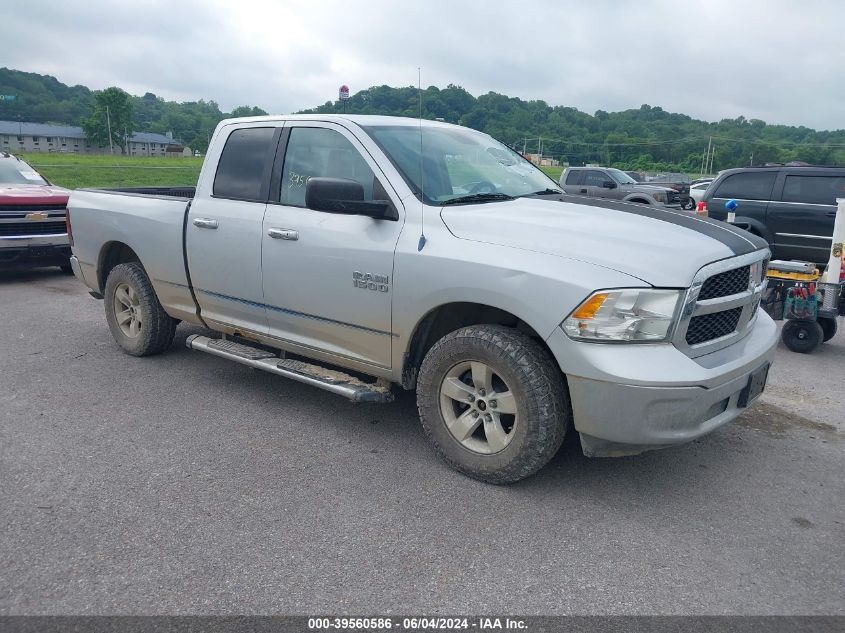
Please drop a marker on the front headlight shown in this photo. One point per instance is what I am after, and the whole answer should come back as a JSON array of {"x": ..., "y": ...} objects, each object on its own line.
[{"x": 624, "y": 315}]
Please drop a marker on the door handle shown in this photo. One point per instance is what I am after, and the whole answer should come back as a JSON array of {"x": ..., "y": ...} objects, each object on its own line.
[
  {"x": 583, "y": 191},
  {"x": 205, "y": 223},
  {"x": 831, "y": 214},
  {"x": 283, "y": 234}
]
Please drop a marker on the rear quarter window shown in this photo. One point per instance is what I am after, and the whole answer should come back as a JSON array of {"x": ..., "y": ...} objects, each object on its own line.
[
  {"x": 813, "y": 189},
  {"x": 240, "y": 170},
  {"x": 747, "y": 186}
]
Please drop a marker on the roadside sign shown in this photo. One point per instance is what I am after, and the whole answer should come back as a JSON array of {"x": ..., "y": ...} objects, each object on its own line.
[{"x": 344, "y": 92}]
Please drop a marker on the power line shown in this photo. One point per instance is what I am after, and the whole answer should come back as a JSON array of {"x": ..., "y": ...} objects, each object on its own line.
[{"x": 689, "y": 139}]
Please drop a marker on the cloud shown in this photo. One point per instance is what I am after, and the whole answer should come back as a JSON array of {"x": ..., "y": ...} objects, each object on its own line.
[{"x": 778, "y": 61}]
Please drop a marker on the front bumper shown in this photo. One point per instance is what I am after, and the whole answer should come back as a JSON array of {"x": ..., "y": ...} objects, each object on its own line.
[
  {"x": 31, "y": 251},
  {"x": 627, "y": 399}
]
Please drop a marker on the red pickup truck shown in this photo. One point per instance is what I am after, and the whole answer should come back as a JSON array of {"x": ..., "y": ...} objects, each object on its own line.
[{"x": 33, "y": 230}]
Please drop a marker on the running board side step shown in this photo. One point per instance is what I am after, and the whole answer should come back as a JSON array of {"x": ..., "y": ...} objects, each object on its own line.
[{"x": 314, "y": 375}]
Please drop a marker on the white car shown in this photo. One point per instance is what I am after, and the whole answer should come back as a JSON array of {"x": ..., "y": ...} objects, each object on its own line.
[{"x": 696, "y": 191}]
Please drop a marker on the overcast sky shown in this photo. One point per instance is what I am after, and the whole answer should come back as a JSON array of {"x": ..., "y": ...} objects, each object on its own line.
[{"x": 780, "y": 61}]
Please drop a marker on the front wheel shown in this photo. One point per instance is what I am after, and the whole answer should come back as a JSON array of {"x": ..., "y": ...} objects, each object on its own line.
[
  {"x": 136, "y": 319},
  {"x": 493, "y": 403},
  {"x": 689, "y": 205}
]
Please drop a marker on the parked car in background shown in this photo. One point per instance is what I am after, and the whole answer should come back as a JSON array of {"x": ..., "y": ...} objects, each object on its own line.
[
  {"x": 677, "y": 181},
  {"x": 697, "y": 189},
  {"x": 791, "y": 207},
  {"x": 32, "y": 218},
  {"x": 607, "y": 182}
]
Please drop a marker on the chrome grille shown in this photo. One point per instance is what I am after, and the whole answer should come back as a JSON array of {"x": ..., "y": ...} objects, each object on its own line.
[
  {"x": 725, "y": 284},
  {"x": 31, "y": 228},
  {"x": 721, "y": 305},
  {"x": 23, "y": 209},
  {"x": 708, "y": 327}
]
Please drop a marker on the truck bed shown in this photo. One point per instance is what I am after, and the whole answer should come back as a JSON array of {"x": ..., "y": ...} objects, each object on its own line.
[
  {"x": 158, "y": 192},
  {"x": 148, "y": 220}
]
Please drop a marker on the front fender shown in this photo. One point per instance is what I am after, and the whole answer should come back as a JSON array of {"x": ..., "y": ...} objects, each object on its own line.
[
  {"x": 638, "y": 197},
  {"x": 539, "y": 289}
]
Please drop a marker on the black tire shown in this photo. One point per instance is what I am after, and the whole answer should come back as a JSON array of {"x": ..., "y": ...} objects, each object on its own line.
[
  {"x": 66, "y": 269},
  {"x": 689, "y": 205},
  {"x": 540, "y": 399},
  {"x": 829, "y": 327},
  {"x": 802, "y": 336},
  {"x": 156, "y": 328}
]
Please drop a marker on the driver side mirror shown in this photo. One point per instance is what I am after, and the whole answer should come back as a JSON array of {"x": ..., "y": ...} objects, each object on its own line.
[
  {"x": 345, "y": 196},
  {"x": 608, "y": 184}
]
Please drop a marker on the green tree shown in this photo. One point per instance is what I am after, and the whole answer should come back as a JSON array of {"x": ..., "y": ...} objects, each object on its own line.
[
  {"x": 112, "y": 109},
  {"x": 246, "y": 110}
]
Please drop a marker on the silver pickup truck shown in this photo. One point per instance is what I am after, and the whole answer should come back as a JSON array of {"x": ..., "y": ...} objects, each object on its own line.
[{"x": 362, "y": 255}]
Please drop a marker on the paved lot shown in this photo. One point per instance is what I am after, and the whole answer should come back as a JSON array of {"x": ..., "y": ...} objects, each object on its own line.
[{"x": 186, "y": 484}]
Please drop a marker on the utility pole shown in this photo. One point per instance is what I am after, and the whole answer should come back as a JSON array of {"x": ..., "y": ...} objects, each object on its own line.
[
  {"x": 712, "y": 156},
  {"x": 539, "y": 150},
  {"x": 751, "y": 164},
  {"x": 524, "y": 146},
  {"x": 707, "y": 154},
  {"x": 108, "y": 122}
]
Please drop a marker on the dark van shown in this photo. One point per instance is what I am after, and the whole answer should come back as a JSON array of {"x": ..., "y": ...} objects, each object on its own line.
[{"x": 793, "y": 208}]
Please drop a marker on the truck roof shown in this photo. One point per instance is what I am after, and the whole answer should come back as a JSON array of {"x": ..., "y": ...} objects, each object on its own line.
[{"x": 360, "y": 119}]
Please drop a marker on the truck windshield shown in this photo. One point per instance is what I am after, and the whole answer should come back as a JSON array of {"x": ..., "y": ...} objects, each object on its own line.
[
  {"x": 17, "y": 172},
  {"x": 458, "y": 163},
  {"x": 621, "y": 177}
]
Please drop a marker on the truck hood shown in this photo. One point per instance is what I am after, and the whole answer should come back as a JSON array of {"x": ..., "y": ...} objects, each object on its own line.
[
  {"x": 21, "y": 194},
  {"x": 661, "y": 247}
]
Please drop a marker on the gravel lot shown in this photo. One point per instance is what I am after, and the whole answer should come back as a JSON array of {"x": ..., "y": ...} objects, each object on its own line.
[{"x": 187, "y": 484}]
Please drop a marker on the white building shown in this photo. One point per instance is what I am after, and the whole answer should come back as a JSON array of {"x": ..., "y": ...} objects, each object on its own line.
[{"x": 42, "y": 137}]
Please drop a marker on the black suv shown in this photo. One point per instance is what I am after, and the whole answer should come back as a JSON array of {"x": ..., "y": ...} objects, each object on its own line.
[{"x": 793, "y": 208}]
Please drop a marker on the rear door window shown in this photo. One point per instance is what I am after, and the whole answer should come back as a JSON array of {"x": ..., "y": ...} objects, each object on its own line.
[
  {"x": 248, "y": 153},
  {"x": 572, "y": 177},
  {"x": 595, "y": 178},
  {"x": 747, "y": 186},
  {"x": 813, "y": 189}
]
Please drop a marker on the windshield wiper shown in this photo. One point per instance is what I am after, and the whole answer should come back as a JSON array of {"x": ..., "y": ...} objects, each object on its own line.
[
  {"x": 544, "y": 192},
  {"x": 477, "y": 197}
]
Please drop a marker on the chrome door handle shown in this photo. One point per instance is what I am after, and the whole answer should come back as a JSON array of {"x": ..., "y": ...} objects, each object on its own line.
[
  {"x": 283, "y": 234},
  {"x": 205, "y": 223},
  {"x": 583, "y": 191}
]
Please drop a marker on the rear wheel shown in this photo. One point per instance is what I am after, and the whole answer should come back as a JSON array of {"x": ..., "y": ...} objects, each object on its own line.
[
  {"x": 828, "y": 328},
  {"x": 802, "y": 336},
  {"x": 66, "y": 268},
  {"x": 493, "y": 403},
  {"x": 136, "y": 319}
]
